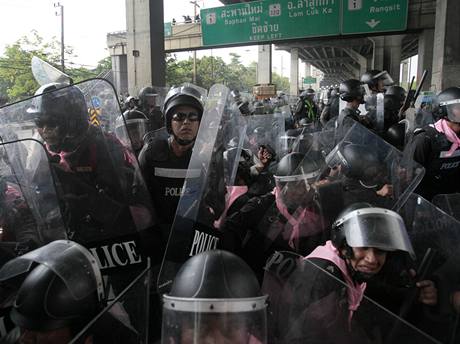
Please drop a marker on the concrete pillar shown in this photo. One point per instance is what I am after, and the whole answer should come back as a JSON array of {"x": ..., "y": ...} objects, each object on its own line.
[
  {"x": 425, "y": 56},
  {"x": 404, "y": 73},
  {"x": 120, "y": 73},
  {"x": 392, "y": 56},
  {"x": 446, "y": 52},
  {"x": 264, "y": 64},
  {"x": 294, "y": 79},
  {"x": 379, "y": 43},
  {"x": 145, "y": 44},
  {"x": 157, "y": 44},
  {"x": 360, "y": 60},
  {"x": 307, "y": 69},
  {"x": 370, "y": 61}
]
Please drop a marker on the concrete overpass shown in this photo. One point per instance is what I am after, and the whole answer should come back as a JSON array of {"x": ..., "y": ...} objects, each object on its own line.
[{"x": 432, "y": 33}]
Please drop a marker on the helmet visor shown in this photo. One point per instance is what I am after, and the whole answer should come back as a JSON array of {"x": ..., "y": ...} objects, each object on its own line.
[
  {"x": 376, "y": 227},
  {"x": 73, "y": 263},
  {"x": 385, "y": 78},
  {"x": 134, "y": 132},
  {"x": 216, "y": 321}
]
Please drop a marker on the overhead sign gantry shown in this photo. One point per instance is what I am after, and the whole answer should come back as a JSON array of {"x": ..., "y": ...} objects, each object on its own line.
[{"x": 274, "y": 20}]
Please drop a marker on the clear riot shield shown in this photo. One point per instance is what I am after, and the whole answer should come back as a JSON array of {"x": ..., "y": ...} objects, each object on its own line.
[
  {"x": 435, "y": 236},
  {"x": 233, "y": 136},
  {"x": 420, "y": 115},
  {"x": 203, "y": 198},
  {"x": 290, "y": 218},
  {"x": 449, "y": 203},
  {"x": 277, "y": 271},
  {"x": 375, "y": 111},
  {"x": 317, "y": 306},
  {"x": 114, "y": 324},
  {"x": 264, "y": 130},
  {"x": 371, "y": 170},
  {"x": 103, "y": 208},
  {"x": 284, "y": 112},
  {"x": 30, "y": 213},
  {"x": 45, "y": 73}
]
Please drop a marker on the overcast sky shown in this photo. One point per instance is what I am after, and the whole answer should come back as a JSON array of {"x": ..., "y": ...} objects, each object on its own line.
[{"x": 87, "y": 23}]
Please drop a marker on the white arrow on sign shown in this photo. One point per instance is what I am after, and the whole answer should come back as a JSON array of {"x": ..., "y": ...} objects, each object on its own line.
[{"x": 373, "y": 23}]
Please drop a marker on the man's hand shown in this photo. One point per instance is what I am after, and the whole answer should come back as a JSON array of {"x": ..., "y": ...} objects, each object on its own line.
[
  {"x": 428, "y": 292},
  {"x": 264, "y": 155},
  {"x": 386, "y": 191}
]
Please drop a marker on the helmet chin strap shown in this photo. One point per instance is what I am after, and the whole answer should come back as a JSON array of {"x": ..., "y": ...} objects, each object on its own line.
[{"x": 183, "y": 142}]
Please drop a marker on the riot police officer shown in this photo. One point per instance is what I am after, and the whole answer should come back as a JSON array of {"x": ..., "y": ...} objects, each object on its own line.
[
  {"x": 436, "y": 147},
  {"x": 130, "y": 129},
  {"x": 94, "y": 170},
  {"x": 286, "y": 219},
  {"x": 331, "y": 109},
  {"x": 352, "y": 92},
  {"x": 149, "y": 104},
  {"x": 61, "y": 293},
  {"x": 328, "y": 287},
  {"x": 215, "y": 298},
  {"x": 164, "y": 161},
  {"x": 306, "y": 107},
  {"x": 377, "y": 80}
]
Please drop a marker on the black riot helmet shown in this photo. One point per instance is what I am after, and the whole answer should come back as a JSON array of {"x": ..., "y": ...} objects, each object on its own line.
[
  {"x": 243, "y": 106},
  {"x": 295, "y": 175},
  {"x": 131, "y": 127},
  {"x": 360, "y": 163},
  {"x": 64, "y": 287},
  {"x": 189, "y": 95},
  {"x": 144, "y": 94},
  {"x": 396, "y": 135},
  {"x": 236, "y": 95},
  {"x": 350, "y": 90},
  {"x": 259, "y": 108},
  {"x": 62, "y": 108},
  {"x": 362, "y": 225},
  {"x": 448, "y": 104},
  {"x": 243, "y": 173},
  {"x": 377, "y": 79},
  {"x": 308, "y": 93},
  {"x": 297, "y": 166},
  {"x": 214, "y": 292},
  {"x": 398, "y": 92}
]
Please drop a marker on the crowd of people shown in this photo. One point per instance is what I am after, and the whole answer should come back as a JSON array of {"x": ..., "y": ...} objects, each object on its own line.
[{"x": 290, "y": 219}]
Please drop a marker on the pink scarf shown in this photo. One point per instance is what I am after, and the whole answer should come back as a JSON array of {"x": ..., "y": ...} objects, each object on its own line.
[
  {"x": 442, "y": 127},
  {"x": 355, "y": 292},
  {"x": 233, "y": 192},
  {"x": 297, "y": 219}
]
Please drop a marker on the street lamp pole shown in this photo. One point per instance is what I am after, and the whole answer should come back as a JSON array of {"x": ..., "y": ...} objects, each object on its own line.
[
  {"x": 61, "y": 7},
  {"x": 195, "y": 5}
]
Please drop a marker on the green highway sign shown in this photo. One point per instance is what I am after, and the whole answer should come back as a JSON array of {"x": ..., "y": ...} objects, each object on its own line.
[
  {"x": 270, "y": 20},
  {"x": 309, "y": 80},
  {"x": 273, "y": 20},
  {"x": 167, "y": 29},
  {"x": 365, "y": 16}
]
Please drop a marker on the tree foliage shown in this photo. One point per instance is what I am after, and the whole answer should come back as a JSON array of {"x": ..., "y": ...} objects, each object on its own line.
[
  {"x": 212, "y": 70},
  {"x": 17, "y": 81},
  {"x": 16, "y": 78}
]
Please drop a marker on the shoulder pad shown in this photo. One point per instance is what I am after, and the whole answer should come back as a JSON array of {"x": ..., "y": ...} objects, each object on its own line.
[{"x": 158, "y": 149}]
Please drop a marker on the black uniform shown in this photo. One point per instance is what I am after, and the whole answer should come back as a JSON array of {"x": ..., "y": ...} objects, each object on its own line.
[
  {"x": 259, "y": 229},
  {"x": 95, "y": 183},
  {"x": 164, "y": 174},
  {"x": 442, "y": 171},
  {"x": 316, "y": 307}
]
